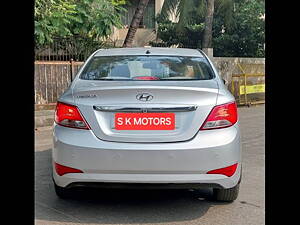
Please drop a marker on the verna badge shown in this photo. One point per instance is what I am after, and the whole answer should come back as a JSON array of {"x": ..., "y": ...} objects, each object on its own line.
[{"x": 144, "y": 97}]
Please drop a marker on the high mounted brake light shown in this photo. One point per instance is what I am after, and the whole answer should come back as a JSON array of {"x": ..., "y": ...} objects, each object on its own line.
[
  {"x": 69, "y": 116},
  {"x": 221, "y": 116},
  {"x": 146, "y": 78}
]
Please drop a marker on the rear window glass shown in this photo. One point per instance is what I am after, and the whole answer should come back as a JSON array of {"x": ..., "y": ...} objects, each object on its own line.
[{"x": 147, "y": 68}]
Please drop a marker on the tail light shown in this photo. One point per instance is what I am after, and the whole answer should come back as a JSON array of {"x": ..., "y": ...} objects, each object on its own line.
[
  {"x": 69, "y": 116},
  {"x": 221, "y": 116},
  {"x": 61, "y": 170},
  {"x": 227, "y": 171}
]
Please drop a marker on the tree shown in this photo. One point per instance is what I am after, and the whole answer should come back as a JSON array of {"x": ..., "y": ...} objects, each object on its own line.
[
  {"x": 138, "y": 15},
  {"x": 207, "y": 35},
  {"x": 96, "y": 18},
  {"x": 246, "y": 37},
  {"x": 89, "y": 19},
  {"x": 191, "y": 12},
  {"x": 51, "y": 18},
  {"x": 238, "y": 26}
]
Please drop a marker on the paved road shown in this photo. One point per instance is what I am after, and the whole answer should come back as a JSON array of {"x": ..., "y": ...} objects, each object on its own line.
[{"x": 163, "y": 207}]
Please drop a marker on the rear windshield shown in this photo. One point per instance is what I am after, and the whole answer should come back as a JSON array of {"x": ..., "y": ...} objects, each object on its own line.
[{"x": 147, "y": 68}]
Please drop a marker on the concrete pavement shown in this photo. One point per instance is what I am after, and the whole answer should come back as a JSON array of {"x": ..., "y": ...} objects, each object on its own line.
[{"x": 163, "y": 206}]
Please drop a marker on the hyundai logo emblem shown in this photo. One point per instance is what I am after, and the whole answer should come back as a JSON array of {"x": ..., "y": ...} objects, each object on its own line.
[{"x": 144, "y": 97}]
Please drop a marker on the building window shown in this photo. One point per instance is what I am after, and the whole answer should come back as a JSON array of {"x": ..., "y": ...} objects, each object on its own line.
[{"x": 148, "y": 20}]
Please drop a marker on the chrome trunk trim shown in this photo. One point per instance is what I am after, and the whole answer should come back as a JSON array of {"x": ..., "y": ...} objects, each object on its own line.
[{"x": 145, "y": 109}]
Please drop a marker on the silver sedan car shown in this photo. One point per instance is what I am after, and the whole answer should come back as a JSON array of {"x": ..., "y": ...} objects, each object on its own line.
[{"x": 147, "y": 117}]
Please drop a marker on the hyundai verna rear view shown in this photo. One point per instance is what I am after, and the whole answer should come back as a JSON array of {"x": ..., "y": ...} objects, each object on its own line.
[{"x": 147, "y": 117}]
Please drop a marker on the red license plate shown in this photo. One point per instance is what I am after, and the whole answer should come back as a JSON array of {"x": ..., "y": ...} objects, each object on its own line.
[{"x": 145, "y": 121}]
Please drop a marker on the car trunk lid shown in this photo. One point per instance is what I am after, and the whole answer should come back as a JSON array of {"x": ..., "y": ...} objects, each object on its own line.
[{"x": 189, "y": 102}]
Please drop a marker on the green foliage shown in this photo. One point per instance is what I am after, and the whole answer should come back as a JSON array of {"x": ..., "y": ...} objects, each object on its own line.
[
  {"x": 188, "y": 31},
  {"x": 187, "y": 36},
  {"x": 247, "y": 36},
  {"x": 238, "y": 29},
  {"x": 96, "y": 18},
  {"x": 169, "y": 7},
  {"x": 224, "y": 10},
  {"x": 189, "y": 28},
  {"x": 186, "y": 11},
  {"x": 52, "y": 18},
  {"x": 87, "y": 19},
  {"x": 118, "y": 2}
]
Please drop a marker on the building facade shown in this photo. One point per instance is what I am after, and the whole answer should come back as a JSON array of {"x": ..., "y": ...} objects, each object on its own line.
[{"x": 147, "y": 30}]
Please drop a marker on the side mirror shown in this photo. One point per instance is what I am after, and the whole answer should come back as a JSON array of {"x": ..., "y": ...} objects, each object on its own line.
[{"x": 225, "y": 81}]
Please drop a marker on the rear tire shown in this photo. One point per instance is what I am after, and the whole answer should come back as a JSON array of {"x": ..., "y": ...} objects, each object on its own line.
[
  {"x": 62, "y": 192},
  {"x": 226, "y": 195}
]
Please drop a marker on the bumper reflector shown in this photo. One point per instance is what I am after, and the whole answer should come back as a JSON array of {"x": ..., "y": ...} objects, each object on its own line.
[
  {"x": 227, "y": 171},
  {"x": 61, "y": 170}
]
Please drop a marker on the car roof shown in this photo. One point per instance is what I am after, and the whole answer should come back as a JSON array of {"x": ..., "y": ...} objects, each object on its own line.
[{"x": 152, "y": 50}]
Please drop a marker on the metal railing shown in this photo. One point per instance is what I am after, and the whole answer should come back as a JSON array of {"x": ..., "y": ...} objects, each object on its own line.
[
  {"x": 248, "y": 86},
  {"x": 66, "y": 49}
]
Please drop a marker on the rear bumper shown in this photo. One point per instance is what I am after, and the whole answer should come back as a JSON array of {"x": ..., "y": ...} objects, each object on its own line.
[
  {"x": 147, "y": 163},
  {"x": 151, "y": 186},
  {"x": 146, "y": 181}
]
